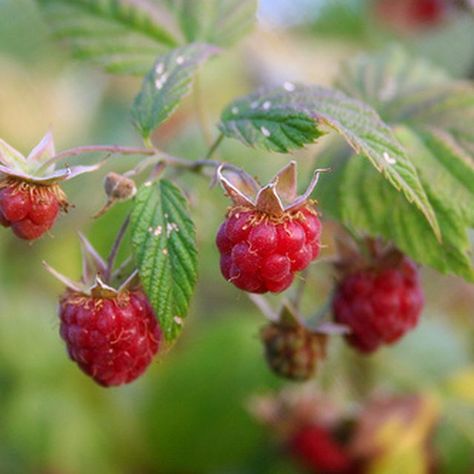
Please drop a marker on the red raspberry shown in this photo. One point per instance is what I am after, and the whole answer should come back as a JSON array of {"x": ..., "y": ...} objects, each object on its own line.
[
  {"x": 428, "y": 12},
  {"x": 29, "y": 209},
  {"x": 411, "y": 15},
  {"x": 112, "y": 339},
  {"x": 260, "y": 254},
  {"x": 316, "y": 448},
  {"x": 379, "y": 305}
]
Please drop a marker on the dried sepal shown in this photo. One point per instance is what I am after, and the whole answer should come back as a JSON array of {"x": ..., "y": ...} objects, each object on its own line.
[
  {"x": 43, "y": 151},
  {"x": 92, "y": 263},
  {"x": 268, "y": 201},
  {"x": 236, "y": 186},
  {"x": 39, "y": 166},
  {"x": 101, "y": 290},
  {"x": 94, "y": 281},
  {"x": 66, "y": 281},
  {"x": 276, "y": 198},
  {"x": 10, "y": 157}
]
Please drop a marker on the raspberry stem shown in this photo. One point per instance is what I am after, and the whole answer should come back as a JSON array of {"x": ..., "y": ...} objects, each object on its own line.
[
  {"x": 156, "y": 158},
  {"x": 214, "y": 146},
  {"x": 262, "y": 304},
  {"x": 115, "y": 248}
]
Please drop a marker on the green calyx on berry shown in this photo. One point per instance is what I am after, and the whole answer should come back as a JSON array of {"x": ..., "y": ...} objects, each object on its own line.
[
  {"x": 39, "y": 167},
  {"x": 276, "y": 199}
]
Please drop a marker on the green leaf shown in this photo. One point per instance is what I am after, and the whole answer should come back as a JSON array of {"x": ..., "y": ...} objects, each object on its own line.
[
  {"x": 449, "y": 108},
  {"x": 384, "y": 78},
  {"x": 220, "y": 22},
  {"x": 291, "y": 116},
  {"x": 164, "y": 244},
  {"x": 433, "y": 118},
  {"x": 444, "y": 166},
  {"x": 166, "y": 84},
  {"x": 404, "y": 89},
  {"x": 124, "y": 36},
  {"x": 355, "y": 194}
]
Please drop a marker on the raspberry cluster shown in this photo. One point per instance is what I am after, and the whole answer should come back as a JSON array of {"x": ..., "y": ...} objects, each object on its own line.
[
  {"x": 292, "y": 351},
  {"x": 29, "y": 209},
  {"x": 259, "y": 254},
  {"x": 379, "y": 304},
  {"x": 113, "y": 340}
]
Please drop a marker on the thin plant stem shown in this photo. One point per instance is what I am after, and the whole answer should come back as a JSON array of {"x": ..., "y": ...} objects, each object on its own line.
[
  {"x": 115, "y": 248},
  {"x": 148, "y": 143},
  {"x": 299, "y": 291},
  {"x": 262, "y": 304},
  {"x": 214, "y": 146},
  {"x": 322, "y": 312},
  {"x": 156, "y": 157},
  {"x": 82, "y": 150}
]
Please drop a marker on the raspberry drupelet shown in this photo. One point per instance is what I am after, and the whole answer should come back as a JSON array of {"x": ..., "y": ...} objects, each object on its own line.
[
  {"x": 263, "y": 242},
  {"x": 113, "y": 339},
  {"x": 30, "y": 209},
  {"x": 379, "y": 301}
]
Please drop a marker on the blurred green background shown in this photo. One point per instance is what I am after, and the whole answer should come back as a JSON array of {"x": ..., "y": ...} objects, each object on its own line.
[{"x": 188, "y": 414}]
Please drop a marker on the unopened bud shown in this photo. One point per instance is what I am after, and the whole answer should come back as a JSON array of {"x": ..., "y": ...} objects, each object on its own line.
[{"x": 118, "y": 187}]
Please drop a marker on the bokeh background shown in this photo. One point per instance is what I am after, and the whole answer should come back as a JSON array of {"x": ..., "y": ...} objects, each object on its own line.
[{"x": 189, "y": 413}]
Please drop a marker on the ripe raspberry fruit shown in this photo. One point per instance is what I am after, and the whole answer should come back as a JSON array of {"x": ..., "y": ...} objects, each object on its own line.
[
  {"x": 263, "y": 242},
  {"x": 379, "y": 302},
  {"x": 292, "y": 351},
  {"x": 260, "y": 255},
  {"x": 112, "y": 338},
  {"x": 112, "y": 334},
  {"x": 30, "y": 209},
  {"x": 30, "y": 197},
  {"x": 317, "y": 449}
]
